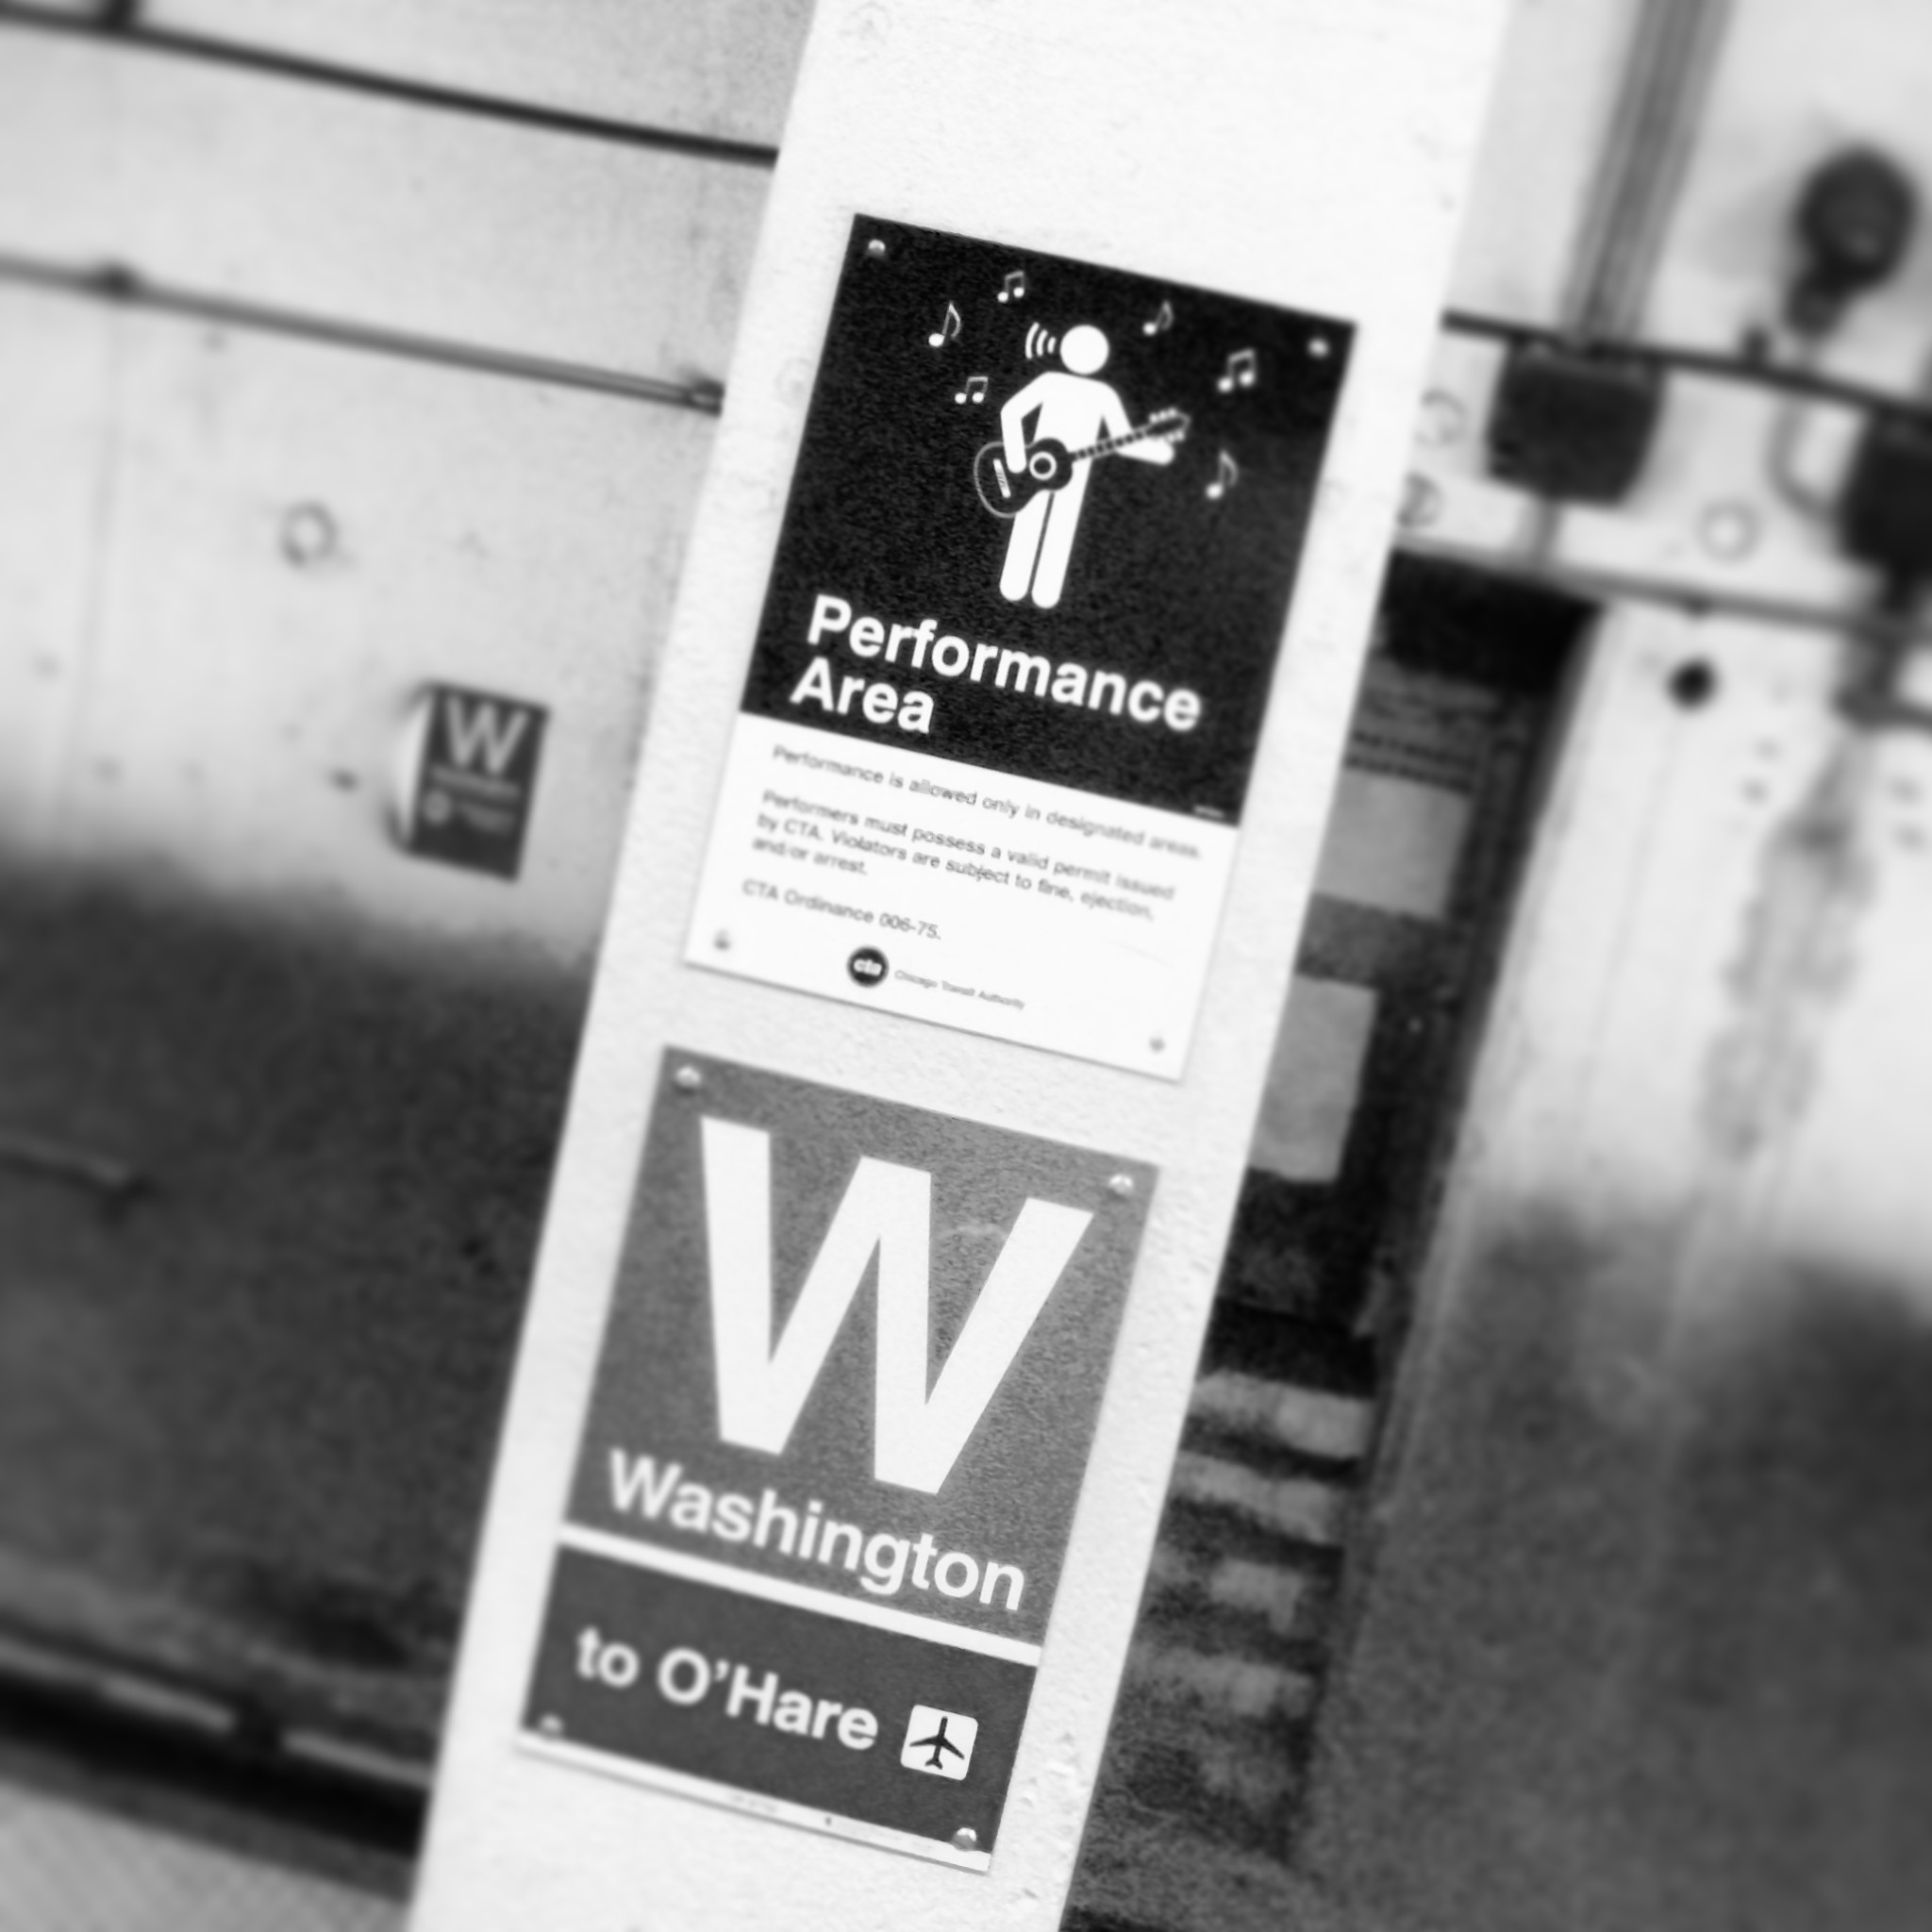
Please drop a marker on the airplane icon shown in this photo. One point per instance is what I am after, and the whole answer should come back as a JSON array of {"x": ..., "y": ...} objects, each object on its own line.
[
  {"x": 933, "y": 1737},
  {"x": 939, "y": 1744}
]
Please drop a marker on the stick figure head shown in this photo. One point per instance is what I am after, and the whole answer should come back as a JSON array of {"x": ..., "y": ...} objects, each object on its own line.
[{"x": 1084, "y": 349}]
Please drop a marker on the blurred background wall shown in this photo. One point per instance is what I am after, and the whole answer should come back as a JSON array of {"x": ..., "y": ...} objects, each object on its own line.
[{"x": 1546, "y": 1542}]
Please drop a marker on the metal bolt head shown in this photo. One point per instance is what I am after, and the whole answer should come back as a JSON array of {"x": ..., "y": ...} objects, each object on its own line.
[
  {"x": 723, "y": 942},
  {"x": 686, "y": 1079},
  {"x": 309, "y": 535},
  {"x": 875, "y": 248},
  {"x": 1728, "y": 530},
  {"x": 1122, "y": 1184},
  {"x": 965, "y": 1840}
]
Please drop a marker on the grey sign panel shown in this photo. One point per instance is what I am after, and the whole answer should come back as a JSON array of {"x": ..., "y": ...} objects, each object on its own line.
[
  {"x": 847, "y": 1391},
  {"x": 659, "y": 1462}
]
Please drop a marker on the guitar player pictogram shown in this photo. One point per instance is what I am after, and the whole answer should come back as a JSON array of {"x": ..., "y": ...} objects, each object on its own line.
[{"x": 1052, "y": 432}]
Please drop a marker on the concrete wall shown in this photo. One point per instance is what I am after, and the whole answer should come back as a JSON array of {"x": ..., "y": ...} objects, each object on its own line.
[{"x": 1636, "y": 1625}]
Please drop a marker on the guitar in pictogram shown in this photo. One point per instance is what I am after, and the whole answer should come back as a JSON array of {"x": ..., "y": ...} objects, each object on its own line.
[{"x": 1050, "y": 463}]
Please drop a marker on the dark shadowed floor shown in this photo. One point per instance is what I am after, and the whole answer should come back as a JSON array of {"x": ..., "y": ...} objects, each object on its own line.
[{"x": 268, "y": 1196}]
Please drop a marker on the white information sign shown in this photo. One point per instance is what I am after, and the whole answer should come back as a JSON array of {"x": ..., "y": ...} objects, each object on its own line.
[
  {"x": 975, "y": 899},
  {"x": 1019, "y": 631}
]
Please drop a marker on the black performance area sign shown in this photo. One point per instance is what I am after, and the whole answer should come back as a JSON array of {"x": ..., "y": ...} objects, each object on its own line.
[
  {"x": 1076, "y": 496},
  {"x": 1016, "y": 651}
]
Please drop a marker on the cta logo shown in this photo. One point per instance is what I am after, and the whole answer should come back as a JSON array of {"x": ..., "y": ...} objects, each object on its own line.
[
  {"x": 867, "y": 966},
  {"x": 885, "y": 1216}
]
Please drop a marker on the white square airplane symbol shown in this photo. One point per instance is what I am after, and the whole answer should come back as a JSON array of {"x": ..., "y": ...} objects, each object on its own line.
[{"x": 939, "y": 1741}]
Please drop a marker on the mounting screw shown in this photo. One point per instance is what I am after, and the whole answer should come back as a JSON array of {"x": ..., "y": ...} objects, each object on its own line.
[
  {"x": 309, "y": 535},
  {"x": 1728, "y": 530},
  {"x": 723, "y": 942},
  {"x": 965, "y": 1840},
  {"x": 1122, "y": 1184},
  {"x": 875, "y": 248},
  {"x": 686, "y": 1079}
]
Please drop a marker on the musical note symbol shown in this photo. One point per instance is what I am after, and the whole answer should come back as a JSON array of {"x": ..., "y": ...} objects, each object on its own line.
[
  {"x": 947, "y": 330},
  {"x": 1014, "y": 287},
  {"x": 975, "y": 390},
  {"x": 1240, "y": 374},
  {"x": 1226, "y": 474},
  {"x": 1163, "y": 320}
]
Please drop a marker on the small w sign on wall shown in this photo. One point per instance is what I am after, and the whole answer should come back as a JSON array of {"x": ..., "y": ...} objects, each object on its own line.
[{"x": 472, "y": 777}]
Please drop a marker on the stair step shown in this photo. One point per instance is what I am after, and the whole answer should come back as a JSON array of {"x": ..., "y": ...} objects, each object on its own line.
[
  {"x": 1302, "y": 1508},
  {"x": 1227, "y": 1686},
  {"x": 1203, "y": 1590},
  {"x": 1310, "y": 1421}
]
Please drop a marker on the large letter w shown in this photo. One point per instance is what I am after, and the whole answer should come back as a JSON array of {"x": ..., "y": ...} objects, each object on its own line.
[{"x": 887, "y": 1210}]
